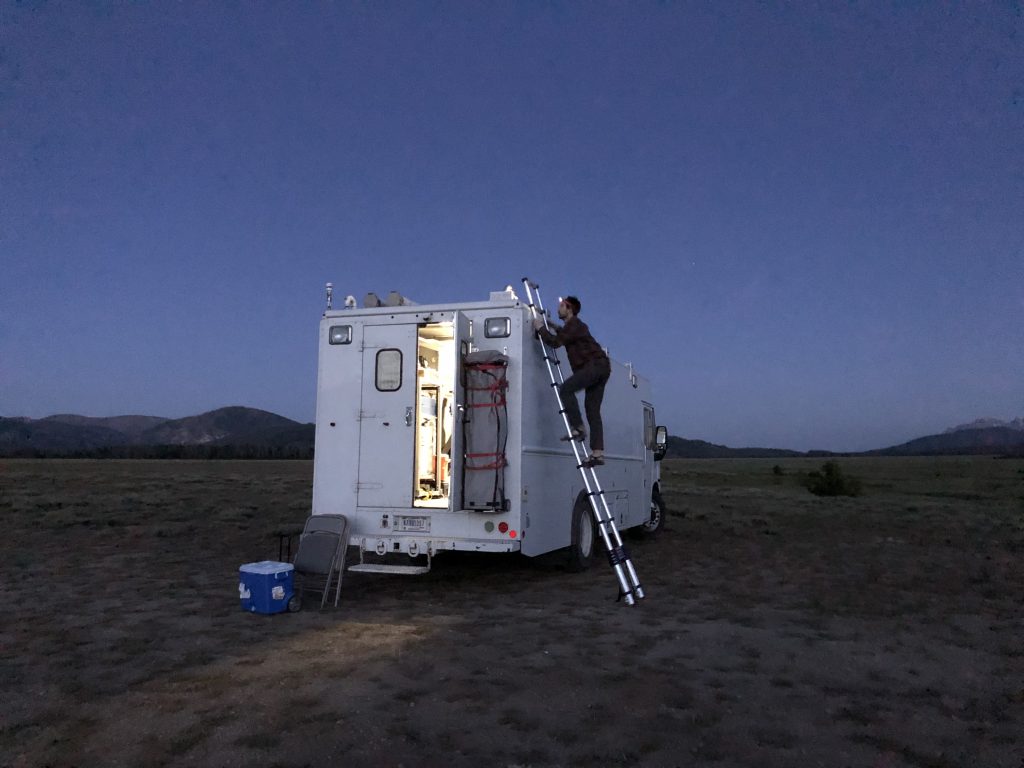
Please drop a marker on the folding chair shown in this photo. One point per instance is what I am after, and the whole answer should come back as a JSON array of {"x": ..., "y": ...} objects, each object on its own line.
[{"x": 322, "y": 548}]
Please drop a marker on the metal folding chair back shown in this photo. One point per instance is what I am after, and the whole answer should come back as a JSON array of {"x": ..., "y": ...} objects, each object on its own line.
[{"x": 321, "y": 555}]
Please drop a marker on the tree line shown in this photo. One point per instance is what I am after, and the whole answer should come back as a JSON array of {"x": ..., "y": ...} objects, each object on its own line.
[{"x": 167, "y": 452}]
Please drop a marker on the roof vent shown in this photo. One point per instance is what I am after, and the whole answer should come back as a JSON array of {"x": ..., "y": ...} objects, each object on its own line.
[{"x": 395, "y": 299}]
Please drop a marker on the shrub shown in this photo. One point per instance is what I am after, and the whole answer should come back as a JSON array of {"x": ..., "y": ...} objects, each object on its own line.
[{"x": 830, "y": 481}]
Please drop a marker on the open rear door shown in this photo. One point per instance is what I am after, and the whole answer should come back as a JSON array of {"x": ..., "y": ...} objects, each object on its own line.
[
  {"x": 387, "y": 416},
  {"x": 463, "y": 345}
]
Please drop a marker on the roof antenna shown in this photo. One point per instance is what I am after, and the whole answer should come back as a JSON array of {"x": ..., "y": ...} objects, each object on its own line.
[{"x": 330, "y": 294}]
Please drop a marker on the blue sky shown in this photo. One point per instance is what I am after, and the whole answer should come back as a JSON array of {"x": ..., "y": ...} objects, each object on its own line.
[{"x": 804, "y": 222}]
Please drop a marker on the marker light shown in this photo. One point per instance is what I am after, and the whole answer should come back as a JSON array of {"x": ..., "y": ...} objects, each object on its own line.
[
  {"x": 340, "y": 334},
  {"x": 512, "y": 533},
  {"x": 497, "y": 327},
  {"x": 502, "y": 526}
]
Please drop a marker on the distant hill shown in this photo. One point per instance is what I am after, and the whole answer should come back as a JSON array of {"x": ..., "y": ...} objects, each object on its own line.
[
  {"x": 223, "y": 426},
  {"x": 681, "y": 448},
  {"x": 987, "y": 440},
  {"x": 1005, "y": 439},
  {"x": 1017, "y": 423},
  {"x": 18, "y": 436},
  {"x": 130, "y": 426},
  {"x": 290, "y": 436},
  {"x": 232, "y": 432}
]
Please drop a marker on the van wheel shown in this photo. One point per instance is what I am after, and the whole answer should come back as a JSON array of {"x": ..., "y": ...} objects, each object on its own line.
[
  {"x": 657, "y": 518},
  {"x": 584, "y": 536}
]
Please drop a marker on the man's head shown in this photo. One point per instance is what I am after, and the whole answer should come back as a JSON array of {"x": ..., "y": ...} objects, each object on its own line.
[{"x": 568, "y": 307}]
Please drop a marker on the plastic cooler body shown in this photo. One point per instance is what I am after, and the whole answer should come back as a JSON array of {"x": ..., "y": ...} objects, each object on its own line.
[{"x": 266, "y": 587}]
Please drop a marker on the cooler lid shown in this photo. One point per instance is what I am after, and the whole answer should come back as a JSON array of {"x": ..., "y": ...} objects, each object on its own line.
[{"x": 266, "y": 567}]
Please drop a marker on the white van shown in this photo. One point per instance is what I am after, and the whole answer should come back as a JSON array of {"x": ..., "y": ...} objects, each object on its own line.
[{"x": 401, "y": 420}]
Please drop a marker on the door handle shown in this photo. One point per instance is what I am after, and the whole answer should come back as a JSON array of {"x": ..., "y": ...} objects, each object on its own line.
[{"x": 408, "y": 416}]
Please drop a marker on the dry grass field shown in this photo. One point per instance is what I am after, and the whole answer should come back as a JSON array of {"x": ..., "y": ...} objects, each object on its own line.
[{"x": 780, "y": 629}]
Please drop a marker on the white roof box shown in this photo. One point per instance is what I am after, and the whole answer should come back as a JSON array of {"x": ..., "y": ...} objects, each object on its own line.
[{"x": 506, "y": 295}]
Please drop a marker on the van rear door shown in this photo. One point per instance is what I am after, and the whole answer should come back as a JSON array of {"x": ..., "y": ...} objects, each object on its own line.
[
  {"x": 463, "y": 345},
  {"x": 386, "y": 416}
]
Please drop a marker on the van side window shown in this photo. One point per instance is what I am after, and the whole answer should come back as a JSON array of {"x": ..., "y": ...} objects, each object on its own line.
[
  {"x": 649, "y": 427},
  {"x": 388, "y": 377}
]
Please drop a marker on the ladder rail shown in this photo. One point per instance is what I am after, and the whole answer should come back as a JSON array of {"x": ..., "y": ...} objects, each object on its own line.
[
  {"x": 633, "y": 577},
  {"x": 629, "y": 582}
]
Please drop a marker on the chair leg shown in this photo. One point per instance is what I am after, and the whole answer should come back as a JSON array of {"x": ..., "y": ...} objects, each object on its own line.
[
  {"x": 327, "y": 581},
  {"x": 341, "y": 571}
]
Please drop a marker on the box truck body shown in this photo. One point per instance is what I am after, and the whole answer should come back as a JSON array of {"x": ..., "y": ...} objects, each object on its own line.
[{"x": 406, "y": 418}]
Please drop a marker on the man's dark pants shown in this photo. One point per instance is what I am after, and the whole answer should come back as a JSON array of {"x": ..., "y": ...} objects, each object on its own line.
[{"x": 591, "y": 378}]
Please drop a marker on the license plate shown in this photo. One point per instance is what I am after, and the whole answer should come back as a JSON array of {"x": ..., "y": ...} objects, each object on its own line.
[{"x": 413, "y": 524}]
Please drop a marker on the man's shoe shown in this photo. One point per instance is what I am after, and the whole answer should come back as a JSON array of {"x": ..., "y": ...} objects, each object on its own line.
[
  {"x": 576, "y": 434},
  {"x": 592, "y": 461}
]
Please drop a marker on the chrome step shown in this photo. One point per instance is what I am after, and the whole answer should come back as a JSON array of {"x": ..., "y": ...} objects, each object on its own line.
[{"x": 404, "y": 570}]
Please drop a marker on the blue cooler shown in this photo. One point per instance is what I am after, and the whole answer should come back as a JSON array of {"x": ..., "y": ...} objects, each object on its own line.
[{"x": 266, "y": 587}]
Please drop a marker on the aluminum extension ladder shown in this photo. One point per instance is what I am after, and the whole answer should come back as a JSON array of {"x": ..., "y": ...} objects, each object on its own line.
[{"x": 629, "y": 584}]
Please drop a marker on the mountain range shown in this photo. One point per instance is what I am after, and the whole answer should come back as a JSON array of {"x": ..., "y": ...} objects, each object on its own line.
[
  {"x": 981, "y": 437},
  {"x": 235, "y": 432},
  {"x": 239, "y": 432},
  {"x": 986, "y": 423}
]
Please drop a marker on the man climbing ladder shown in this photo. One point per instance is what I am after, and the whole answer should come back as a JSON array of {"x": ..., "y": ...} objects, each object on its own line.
[
  {"x": 590, "y": 371},
  {"x": 629, "y": 583}
]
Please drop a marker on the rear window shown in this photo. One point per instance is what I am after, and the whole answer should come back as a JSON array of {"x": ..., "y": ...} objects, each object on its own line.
[{"x": 389, "y": 370}]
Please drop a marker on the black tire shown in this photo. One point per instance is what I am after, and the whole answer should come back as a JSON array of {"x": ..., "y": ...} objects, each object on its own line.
[
  {"x": 294, "y": 604},
  {"x": 584, "y": 536},
  {"x": 657, "y": 519}
]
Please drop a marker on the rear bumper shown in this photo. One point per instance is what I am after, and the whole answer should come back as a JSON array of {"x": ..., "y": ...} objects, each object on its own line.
[{"x": 415, "y": 545}]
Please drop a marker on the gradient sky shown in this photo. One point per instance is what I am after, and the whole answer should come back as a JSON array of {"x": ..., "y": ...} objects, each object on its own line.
[{"x": 804, "y": 222}]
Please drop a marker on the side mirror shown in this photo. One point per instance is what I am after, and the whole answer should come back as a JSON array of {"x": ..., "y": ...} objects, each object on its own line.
[{"x": 660, "y": 442}]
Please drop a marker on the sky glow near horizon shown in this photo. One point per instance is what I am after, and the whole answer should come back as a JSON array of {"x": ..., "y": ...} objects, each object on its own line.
[{"x": 804, "y": 225}]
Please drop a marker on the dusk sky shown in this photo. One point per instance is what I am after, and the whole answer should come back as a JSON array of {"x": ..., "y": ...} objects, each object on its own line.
[{"x": 803, "y": 222}]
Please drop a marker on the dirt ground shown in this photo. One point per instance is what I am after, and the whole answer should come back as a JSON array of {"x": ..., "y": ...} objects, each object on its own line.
[{"x": 780, "y": 629}]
